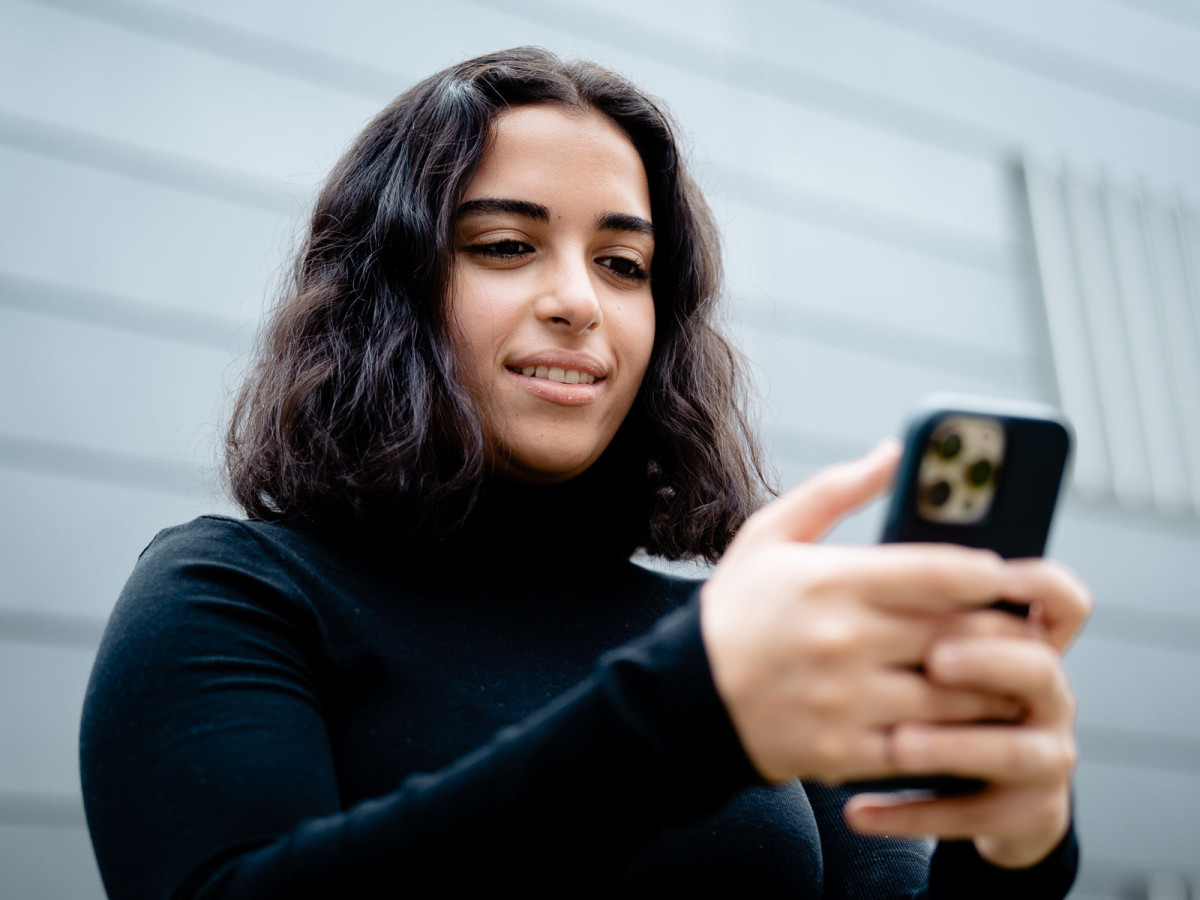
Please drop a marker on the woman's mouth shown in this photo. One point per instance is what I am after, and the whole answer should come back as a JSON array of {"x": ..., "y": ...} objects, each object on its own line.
[
  {"x": 554, "y": 373},
  {"x": 555, "y": 385}
]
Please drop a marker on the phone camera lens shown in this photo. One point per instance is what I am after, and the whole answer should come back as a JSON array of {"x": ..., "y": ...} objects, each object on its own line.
[
  {"x": 939, "y": 493},
  {"x": 951, "y": 444},
  {"x": 979, "y": 473}
]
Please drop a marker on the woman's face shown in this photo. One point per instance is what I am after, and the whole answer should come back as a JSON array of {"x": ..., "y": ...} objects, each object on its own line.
[{"x": 550, "y": 295}]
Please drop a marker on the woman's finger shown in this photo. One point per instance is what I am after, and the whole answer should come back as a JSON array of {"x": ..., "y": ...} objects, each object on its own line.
[
  {"x": 948, "y": 817},
  {"x": 927, "y": 579},
  {"x": 906, "y": 696},
  {"x": 888, "y": 632},
  {"x": 988, "y": 623},
  {"x": 904, "y": 633},
  {"x": 1060, "y": 600},
  {"x": 1008, "y": 754},
  {"x": 809, "y": 510},
  {"x": 1029, "y": 671},
  {"x": 1037, "y": 819}
]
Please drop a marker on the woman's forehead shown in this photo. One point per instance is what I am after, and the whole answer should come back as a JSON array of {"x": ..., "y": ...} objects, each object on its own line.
[{"x": 548, "y": 149}]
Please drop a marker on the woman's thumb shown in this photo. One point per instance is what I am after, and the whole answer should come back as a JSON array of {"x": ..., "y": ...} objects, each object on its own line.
[{"x": 812, "y": 508}]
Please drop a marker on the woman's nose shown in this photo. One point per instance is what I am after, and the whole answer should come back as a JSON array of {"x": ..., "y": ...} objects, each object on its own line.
[{"x": 568, "y": 298}]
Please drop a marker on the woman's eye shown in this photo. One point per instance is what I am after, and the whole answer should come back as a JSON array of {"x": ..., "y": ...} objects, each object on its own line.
[
  {"x": 623, "y": 267},
  {"x": 500, "y": 249}
]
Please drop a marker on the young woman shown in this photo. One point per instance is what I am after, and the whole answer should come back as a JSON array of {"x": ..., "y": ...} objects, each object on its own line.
[{"x": 425, "y": 661}]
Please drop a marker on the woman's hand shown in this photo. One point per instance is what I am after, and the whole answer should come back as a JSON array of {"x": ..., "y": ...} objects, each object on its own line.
[
  {"x": 815, "y": 651},
  {"x": 1025, "y": 811}
]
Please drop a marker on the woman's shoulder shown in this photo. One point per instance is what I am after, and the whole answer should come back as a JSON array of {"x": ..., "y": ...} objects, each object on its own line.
[
  {"x": 188, "y": 553},
  {"x": 217, "y": 565},
  {"x": 277, "y": 551},
  {"x": 225, "y": 536}
]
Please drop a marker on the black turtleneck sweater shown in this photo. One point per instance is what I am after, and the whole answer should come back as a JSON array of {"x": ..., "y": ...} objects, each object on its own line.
[{"x": 281, "y": 710}]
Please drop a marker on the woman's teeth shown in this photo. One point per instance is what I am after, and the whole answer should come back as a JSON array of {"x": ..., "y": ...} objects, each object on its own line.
[{"x": 563, "y": 376}]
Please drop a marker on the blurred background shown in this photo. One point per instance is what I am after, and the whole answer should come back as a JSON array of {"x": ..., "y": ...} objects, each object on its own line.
[{"x": 915, "y": 195}]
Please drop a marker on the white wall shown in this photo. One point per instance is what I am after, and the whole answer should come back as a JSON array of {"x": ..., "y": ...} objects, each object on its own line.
[{"x": 863, "y": 157}]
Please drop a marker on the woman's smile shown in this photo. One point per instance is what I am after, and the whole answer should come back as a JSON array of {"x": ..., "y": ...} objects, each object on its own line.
[
  {"x": 571, "y": 379},
  {"x": 558, "y": 390}
]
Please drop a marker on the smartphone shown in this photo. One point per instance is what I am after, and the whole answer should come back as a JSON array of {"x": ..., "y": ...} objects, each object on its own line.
[{"x": 981, "y": 473}]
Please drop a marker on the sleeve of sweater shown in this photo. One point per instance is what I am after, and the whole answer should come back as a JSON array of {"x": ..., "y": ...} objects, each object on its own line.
[{"x": 207, "y": 769}]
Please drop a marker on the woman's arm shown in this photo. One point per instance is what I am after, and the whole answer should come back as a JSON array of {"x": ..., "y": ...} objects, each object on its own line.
[{"x": 208, "y": 770}]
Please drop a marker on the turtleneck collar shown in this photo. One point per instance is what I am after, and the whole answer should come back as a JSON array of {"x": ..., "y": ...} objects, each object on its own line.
[{"x": 598, "y": 516}]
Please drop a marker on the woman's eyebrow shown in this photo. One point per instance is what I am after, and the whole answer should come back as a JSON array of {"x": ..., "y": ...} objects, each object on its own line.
[
  {"x": 523, "y": 208},
  {"x": 624, "y": 222}
]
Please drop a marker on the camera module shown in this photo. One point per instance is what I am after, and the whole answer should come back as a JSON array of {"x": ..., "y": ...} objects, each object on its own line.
[{"x": 960, "y": 468}]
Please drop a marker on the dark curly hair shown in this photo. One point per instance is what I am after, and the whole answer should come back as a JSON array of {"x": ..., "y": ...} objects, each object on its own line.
[{"x": 352, "y": 408}]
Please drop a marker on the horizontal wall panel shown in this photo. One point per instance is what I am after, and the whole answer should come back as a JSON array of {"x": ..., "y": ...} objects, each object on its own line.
[
  {"x": 1149, "y": 690},
  {"x": 858, "y": 397},
  {"x": 736, "y": 127},
  {"x": 92, "y": 76},
  {"x": 1135, "y": 817},
  {"x": 1127, "y": 38},
  {"x": 98, "y": 530},
  {"x": 729, "y": 121},
  {"x": 780, "y": 262},
  {"x": 882, "y": 73},
  {"x": 809, "y": 38},
  {"x": 42, "y": 863},
  {"x": 957, "y": 83},
  {"x": 96, "y": 231},
  {"x": 111, "y": 390},
  {"x": 1134, "y": 562},
  {"x": 40, "y": 707},
  {"x": 918, "y": 183},
  {"x": 1119, "y": 35}
]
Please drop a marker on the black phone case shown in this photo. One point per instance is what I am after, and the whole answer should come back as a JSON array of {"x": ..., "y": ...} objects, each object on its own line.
[{"x": 1038, "y": 442}]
